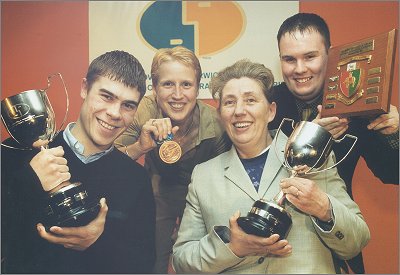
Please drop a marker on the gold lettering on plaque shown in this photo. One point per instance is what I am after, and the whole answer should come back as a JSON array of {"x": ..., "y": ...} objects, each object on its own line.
[
  {"x": 373, "y": 80},
  {"x": 334, "y": 78},
  {"x": 357, "y": 49},
  {"x": 332, "y": 88},
  {"x": 330, "y": 96},
  {"x": 373, "y": 90},
  {"x": 376, "y": 70},
  {"x": 371, "y": 100},
  {"x": 330, "y": 106},
  {"x": 354, "y": 58}
]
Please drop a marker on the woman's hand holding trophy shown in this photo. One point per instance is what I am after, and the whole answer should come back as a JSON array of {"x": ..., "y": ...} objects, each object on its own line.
[
  {"x": 250, "y": 244},
  {"x": 307, "y": 197}
]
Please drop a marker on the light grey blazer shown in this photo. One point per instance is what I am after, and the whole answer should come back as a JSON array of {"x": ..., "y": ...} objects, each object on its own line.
[{"x": 221, "y": 186}]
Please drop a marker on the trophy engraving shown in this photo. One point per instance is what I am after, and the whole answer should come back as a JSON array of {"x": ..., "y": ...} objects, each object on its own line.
[
  {"x": 358, "y": 49},
  {"x": 330, "y": 106},
  {"x": 331, "y": 97},
  {"x": 371, "y": 100},
  {"x": 357, "y": 67},
  {"x": 28, "y": 117},
  {"x": 375, "y": 70},
  {"x": 334, "y": 78},
  {"x": 373, "y": 80},
  {"x": 373, "y": 90}
]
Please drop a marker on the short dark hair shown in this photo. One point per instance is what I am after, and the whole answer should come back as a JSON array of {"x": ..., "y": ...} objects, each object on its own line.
[
  {"x": 305, "y": 22},
  {"x": 243, "y": 68},
  {"x": 119, "y": 66}
]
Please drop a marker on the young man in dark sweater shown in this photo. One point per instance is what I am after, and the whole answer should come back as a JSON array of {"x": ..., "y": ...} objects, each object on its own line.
[{"x": 121, "y": 238}]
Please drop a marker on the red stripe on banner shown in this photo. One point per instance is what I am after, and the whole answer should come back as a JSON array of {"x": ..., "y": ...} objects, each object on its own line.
[{"x": 41, "y": 38}]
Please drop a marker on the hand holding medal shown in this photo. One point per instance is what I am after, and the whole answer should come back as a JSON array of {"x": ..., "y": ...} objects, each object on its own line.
[{"x": 169, "y": 151}]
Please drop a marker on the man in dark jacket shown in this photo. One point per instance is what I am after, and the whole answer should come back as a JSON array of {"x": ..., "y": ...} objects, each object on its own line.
[{"x": 303, "y": 41}]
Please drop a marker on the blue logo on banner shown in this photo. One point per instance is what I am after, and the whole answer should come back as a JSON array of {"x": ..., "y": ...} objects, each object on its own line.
[{"x": 205, "y": 27}]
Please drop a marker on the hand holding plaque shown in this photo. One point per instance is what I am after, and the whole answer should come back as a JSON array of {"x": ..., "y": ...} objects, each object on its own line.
[{"x": 359, "y": 77}]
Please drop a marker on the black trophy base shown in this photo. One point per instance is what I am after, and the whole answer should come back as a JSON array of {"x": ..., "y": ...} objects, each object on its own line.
[
  {"x": 266, "y": 219},
  {"x": 70, "y": 206},
  {"x": 73, "y": 218}
]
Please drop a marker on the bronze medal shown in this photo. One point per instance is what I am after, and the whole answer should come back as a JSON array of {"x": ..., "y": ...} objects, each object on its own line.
[{"x": 170, "y": 151}]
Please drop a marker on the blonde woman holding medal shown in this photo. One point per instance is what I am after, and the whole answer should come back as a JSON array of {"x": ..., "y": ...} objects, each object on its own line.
[{"x": 175, "y": 131}]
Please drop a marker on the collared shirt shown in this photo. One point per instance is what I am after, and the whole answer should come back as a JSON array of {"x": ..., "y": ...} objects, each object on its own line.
[
  {"x": 78, "y": 147},
  {"x": 301, "y": 105}
]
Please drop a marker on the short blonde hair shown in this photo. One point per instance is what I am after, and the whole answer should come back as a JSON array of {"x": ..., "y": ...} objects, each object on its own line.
[{"x": 180, "y": 54}]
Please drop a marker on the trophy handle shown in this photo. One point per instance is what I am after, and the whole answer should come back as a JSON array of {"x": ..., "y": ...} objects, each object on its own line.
[
  {"x": 67, "y": 101},
  {"x": 17, "y": 148},
  {"x": 276, "y": 138},
  {"x": 280, "y": 197},
  {"x": 345, "y": 156}
]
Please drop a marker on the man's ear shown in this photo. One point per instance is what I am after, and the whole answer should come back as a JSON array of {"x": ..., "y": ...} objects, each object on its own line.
[
  {"x": 84, "y": 88},
  {"x": 327, "y": 50}
]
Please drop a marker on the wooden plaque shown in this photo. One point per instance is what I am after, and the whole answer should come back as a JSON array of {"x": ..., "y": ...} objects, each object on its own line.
[{"x": 359, "y": 77}]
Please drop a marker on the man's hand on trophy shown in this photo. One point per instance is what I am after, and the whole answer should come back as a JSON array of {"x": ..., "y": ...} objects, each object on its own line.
[
  {"x": 336, "y": 126},
  {"x": 306, "y": 196},
  {"x": 51, "y": 167},
  {"x": 386, "y": 123},
  {"x": 77, "y": 238},
  {"x": 40, "y": 143},
  {"x": 243, "y": 244}
]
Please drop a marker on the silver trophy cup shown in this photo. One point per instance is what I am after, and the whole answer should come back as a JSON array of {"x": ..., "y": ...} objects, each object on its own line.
[
  {"x": 308, "y": 148},
  {"x": 29, "y": 117},
  {"x": 306, "y": 151}
]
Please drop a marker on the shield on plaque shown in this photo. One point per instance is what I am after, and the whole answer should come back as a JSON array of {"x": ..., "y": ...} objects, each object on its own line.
[{"x": 350, "y": 82}]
